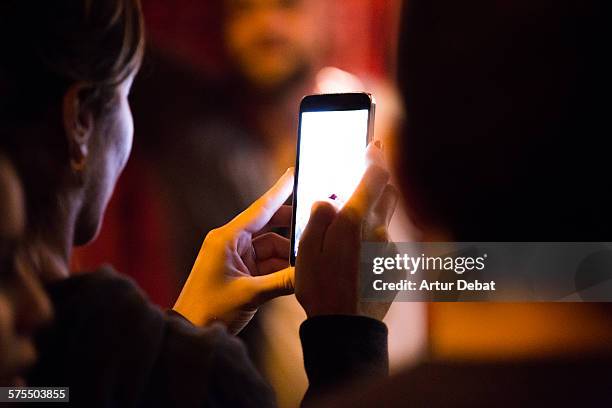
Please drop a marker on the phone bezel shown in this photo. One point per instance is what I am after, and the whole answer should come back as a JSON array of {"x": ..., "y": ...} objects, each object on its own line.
[{"x": 321, "y": 103}]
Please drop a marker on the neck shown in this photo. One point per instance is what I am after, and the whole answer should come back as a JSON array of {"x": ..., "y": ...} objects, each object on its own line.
[{"x": 50, "y": 241}]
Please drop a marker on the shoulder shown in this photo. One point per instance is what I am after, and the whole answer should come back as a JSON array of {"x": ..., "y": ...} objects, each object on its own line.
[
  {"x": 104, "y": 340},
  {"x": 105, "y": 310},
  {"x": 101, "y": 292},
  {"x": 104, "y": 276}
]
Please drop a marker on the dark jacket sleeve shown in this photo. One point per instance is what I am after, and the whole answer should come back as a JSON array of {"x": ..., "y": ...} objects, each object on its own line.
[{"x": 339, "y": 349}]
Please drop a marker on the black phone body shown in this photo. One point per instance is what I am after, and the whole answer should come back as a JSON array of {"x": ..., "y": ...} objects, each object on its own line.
[{"x": 333, "y": 134}]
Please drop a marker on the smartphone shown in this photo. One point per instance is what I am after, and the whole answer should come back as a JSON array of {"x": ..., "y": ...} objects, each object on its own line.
[{"x": 333, "y": 133}]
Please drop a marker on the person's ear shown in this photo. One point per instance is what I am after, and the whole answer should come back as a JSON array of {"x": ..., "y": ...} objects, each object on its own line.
[{"x": 78, "y": 125}]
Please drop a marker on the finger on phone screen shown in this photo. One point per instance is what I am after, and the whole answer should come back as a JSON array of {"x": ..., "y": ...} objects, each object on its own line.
[
  {"x": 261, "y": 211},
  {"x": 321, "y": 216}
]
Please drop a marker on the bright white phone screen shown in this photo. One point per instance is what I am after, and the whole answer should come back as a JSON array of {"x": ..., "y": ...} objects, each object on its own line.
[{"x": 331, "y": 160}]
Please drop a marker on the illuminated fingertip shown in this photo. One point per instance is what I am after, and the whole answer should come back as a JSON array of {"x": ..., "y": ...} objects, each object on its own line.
[
  {"x": 320, "y": 206},
  {"x": 315, "y": 207}
]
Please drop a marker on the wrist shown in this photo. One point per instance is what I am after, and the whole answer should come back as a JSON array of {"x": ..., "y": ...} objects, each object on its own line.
[
  {"x": 331, "y": 309},
  {"x": 192, "y": 312}
]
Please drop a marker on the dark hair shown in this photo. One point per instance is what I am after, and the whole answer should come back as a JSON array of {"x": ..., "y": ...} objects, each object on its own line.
[
  {"x": 50, "y": 45},
  {"x": 46, "y": 47},
  {"x": 506, "y": 136}
]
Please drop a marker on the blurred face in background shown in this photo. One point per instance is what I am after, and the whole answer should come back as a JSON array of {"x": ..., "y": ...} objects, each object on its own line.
[
  {"x": 273, "y": 43},
  {"x": 23, "y": 304}
]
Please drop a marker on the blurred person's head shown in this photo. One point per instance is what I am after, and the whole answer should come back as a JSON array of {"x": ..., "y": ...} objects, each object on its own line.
[
  {"x": 273, "y": 44},
  {"x": 504, "y": 133},
  {"x": 65, "y": 121},
  {"x": 506, "y": 140},
  {"x": 23, "y": 304}
]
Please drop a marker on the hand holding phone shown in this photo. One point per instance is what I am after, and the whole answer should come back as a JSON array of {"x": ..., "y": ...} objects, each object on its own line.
[
  {"x": 353, "y": 201},
  {"x": 332, "y": 137},
  {"x": 327, "y": 270},
  {"x": 241, "y": 266}
]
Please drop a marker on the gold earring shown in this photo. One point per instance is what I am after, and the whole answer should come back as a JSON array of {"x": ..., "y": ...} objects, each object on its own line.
[{"x": 77, "y": 166}]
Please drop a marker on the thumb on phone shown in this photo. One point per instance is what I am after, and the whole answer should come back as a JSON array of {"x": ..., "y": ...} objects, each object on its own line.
[{"x": 322, "y": 215}]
